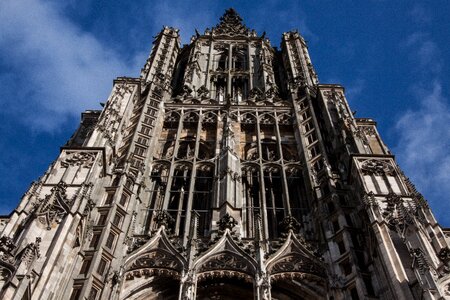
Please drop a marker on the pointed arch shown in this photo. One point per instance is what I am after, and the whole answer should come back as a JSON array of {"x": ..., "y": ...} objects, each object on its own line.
[
  {"x": 225, "y": 259},
  {"x": 144, "y": 268},
  {"x": 294, "y": 265}
]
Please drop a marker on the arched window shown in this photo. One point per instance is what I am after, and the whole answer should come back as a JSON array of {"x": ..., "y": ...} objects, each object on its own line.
[
  {"x": 273, "y": 190},
  {"x": 251, "y": 197},
  {"x": 186, "y": 148},
  {"x": 202, "y": 197},
  {"x": 179, "y": 194},
  {"x": 222, "y": 61}
]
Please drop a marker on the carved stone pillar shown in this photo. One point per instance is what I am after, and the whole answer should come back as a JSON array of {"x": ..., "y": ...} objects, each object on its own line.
[
  {"x": 263, "y": 287},
  {"x": 187, "y": 289}
]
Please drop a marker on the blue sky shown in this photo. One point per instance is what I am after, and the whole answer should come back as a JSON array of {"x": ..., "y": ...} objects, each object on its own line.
[{"x": 58, "y": 58}]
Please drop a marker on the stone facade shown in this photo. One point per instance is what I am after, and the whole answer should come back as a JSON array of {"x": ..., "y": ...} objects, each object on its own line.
[{"x": 226, "y": 171}]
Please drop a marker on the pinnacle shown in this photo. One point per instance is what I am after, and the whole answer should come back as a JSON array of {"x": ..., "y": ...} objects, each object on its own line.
[{"x": 231, "y": 24}]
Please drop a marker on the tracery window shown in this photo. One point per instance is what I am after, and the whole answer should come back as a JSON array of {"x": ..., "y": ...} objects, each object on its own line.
[
  {"x": 178, "y": 197},
  {"x": 248, "y": 137},
  {"x": 168, "y": 135},
  {"x": 202, "y": 197},
  {"x": 251, "y": 196},
  {"x": 179, "y": 187},
  {"x": 186, "y": 148},
  {"x": 273, "y": 191},
  {"x": 221, "y": 61}
]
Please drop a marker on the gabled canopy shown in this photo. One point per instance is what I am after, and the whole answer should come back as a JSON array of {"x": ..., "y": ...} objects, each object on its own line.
[
  {"x": 231, "y": 24},
  {"x": 226, "y": 256},
  {"x": 294, "y": 256}
]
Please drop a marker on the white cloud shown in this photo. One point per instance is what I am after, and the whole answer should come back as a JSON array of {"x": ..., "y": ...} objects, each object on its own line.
[
  {"x": 355, "y": 89},
  {"x": 423, "y": 148},
  {"x": 424, "y": 133},
  {"x": 63, "y": 70}
]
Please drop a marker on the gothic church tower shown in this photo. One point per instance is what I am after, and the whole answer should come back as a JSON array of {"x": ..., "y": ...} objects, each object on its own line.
[{"x": 225, "y": 171}]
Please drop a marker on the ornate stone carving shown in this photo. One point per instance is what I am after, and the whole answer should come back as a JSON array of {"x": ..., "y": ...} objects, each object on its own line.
[
  {"x": 53, "y": 207},
  {"x": 377, "y": 167},
  {"x": 231, "y": 24},
  {"x": 290, "y": 223},
  {"x": 7, "y": 248},
  {"x": 136, "y": 243},
  {"x": 419, "y": 260},
  {"x": 359, "y": 134},
  {"x": 186, "y": 91},
  {"x": 152, "y": 272},
  {"x": 115, "y": 278},
  {"x": 444, "y": 254},
  {"x": 227, "y": 221},
  {"x": 297, "y": 263},
  {"x": 265, "y": 286},
  {"x": 157, "y": 259},
  {"x": 298, "y": 81},
  {"x": 7, "y": 258},
  {"x": 368, "y": 130},
  {"x": 203, "y": 92},
  {"x": 88, "y": 208},
  {"x": 163, "y": 218},
  {"x": 255, "y": 93},
  {"x": 272, "y": 92},
  {"x": 397, "y": 214},
  {"x": 334, "y": 96},
  {"x": 31, "y": 252},
  {"x": 225, "y": 261},
  {"x": 369, "y": 199},
  {"x": 84, "y": 159}
]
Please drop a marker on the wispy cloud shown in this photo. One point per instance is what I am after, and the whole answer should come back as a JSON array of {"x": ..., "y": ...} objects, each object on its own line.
[
  {"x": 62, "y": 69},
  {"x": 355, "y": 89},
  {"x": 423, "y": 147},
  {"x": 424, "y": 133},
  {"x": 420, "y": 14}
]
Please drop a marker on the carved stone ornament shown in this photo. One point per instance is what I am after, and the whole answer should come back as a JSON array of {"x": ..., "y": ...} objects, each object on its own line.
[
  {"x": 163, "y": 218},
  {"x": 84, "y": 159},
  {"x": 255, "y": 93},
  {"x": 265, "y": 286},
  {"x": 88, "y": 208},
  {"x": 203, "y": 92},
  {"x": 227, "y": 221},
  {"x": 419, "y": 260},
  {"x": 159, "y": 260},
  {"x": 53, "y": 207},
  {"x": 444, "y": 254},
  {"x": 272, "y": 92},
  {"x": 115, "y": 278},
  {"x": 31, "y": 252},
  {"x": 7, "y": 248},
  {"x": 231, "y": 24},
  {"x": 290, "y": 223},
  {"x": 186, "y": 91},
  {"x": 334, "y": 96},
  {"x": 225, "y": 261},
  {"x": 369, "y": 199},
  {"x": 298, "y": 81},
  {"x": 368, "y": 130},
  {"x": 7, "y": 258},
  {"x": 377, "y": 167},
  {"x": 136, "y": 243},
  {"x": 296, "y": 263},
  {"x": 397, "y": 214}
]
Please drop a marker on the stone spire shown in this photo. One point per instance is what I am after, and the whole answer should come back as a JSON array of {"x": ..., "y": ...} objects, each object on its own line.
[{"x": 231, "y": 24}]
